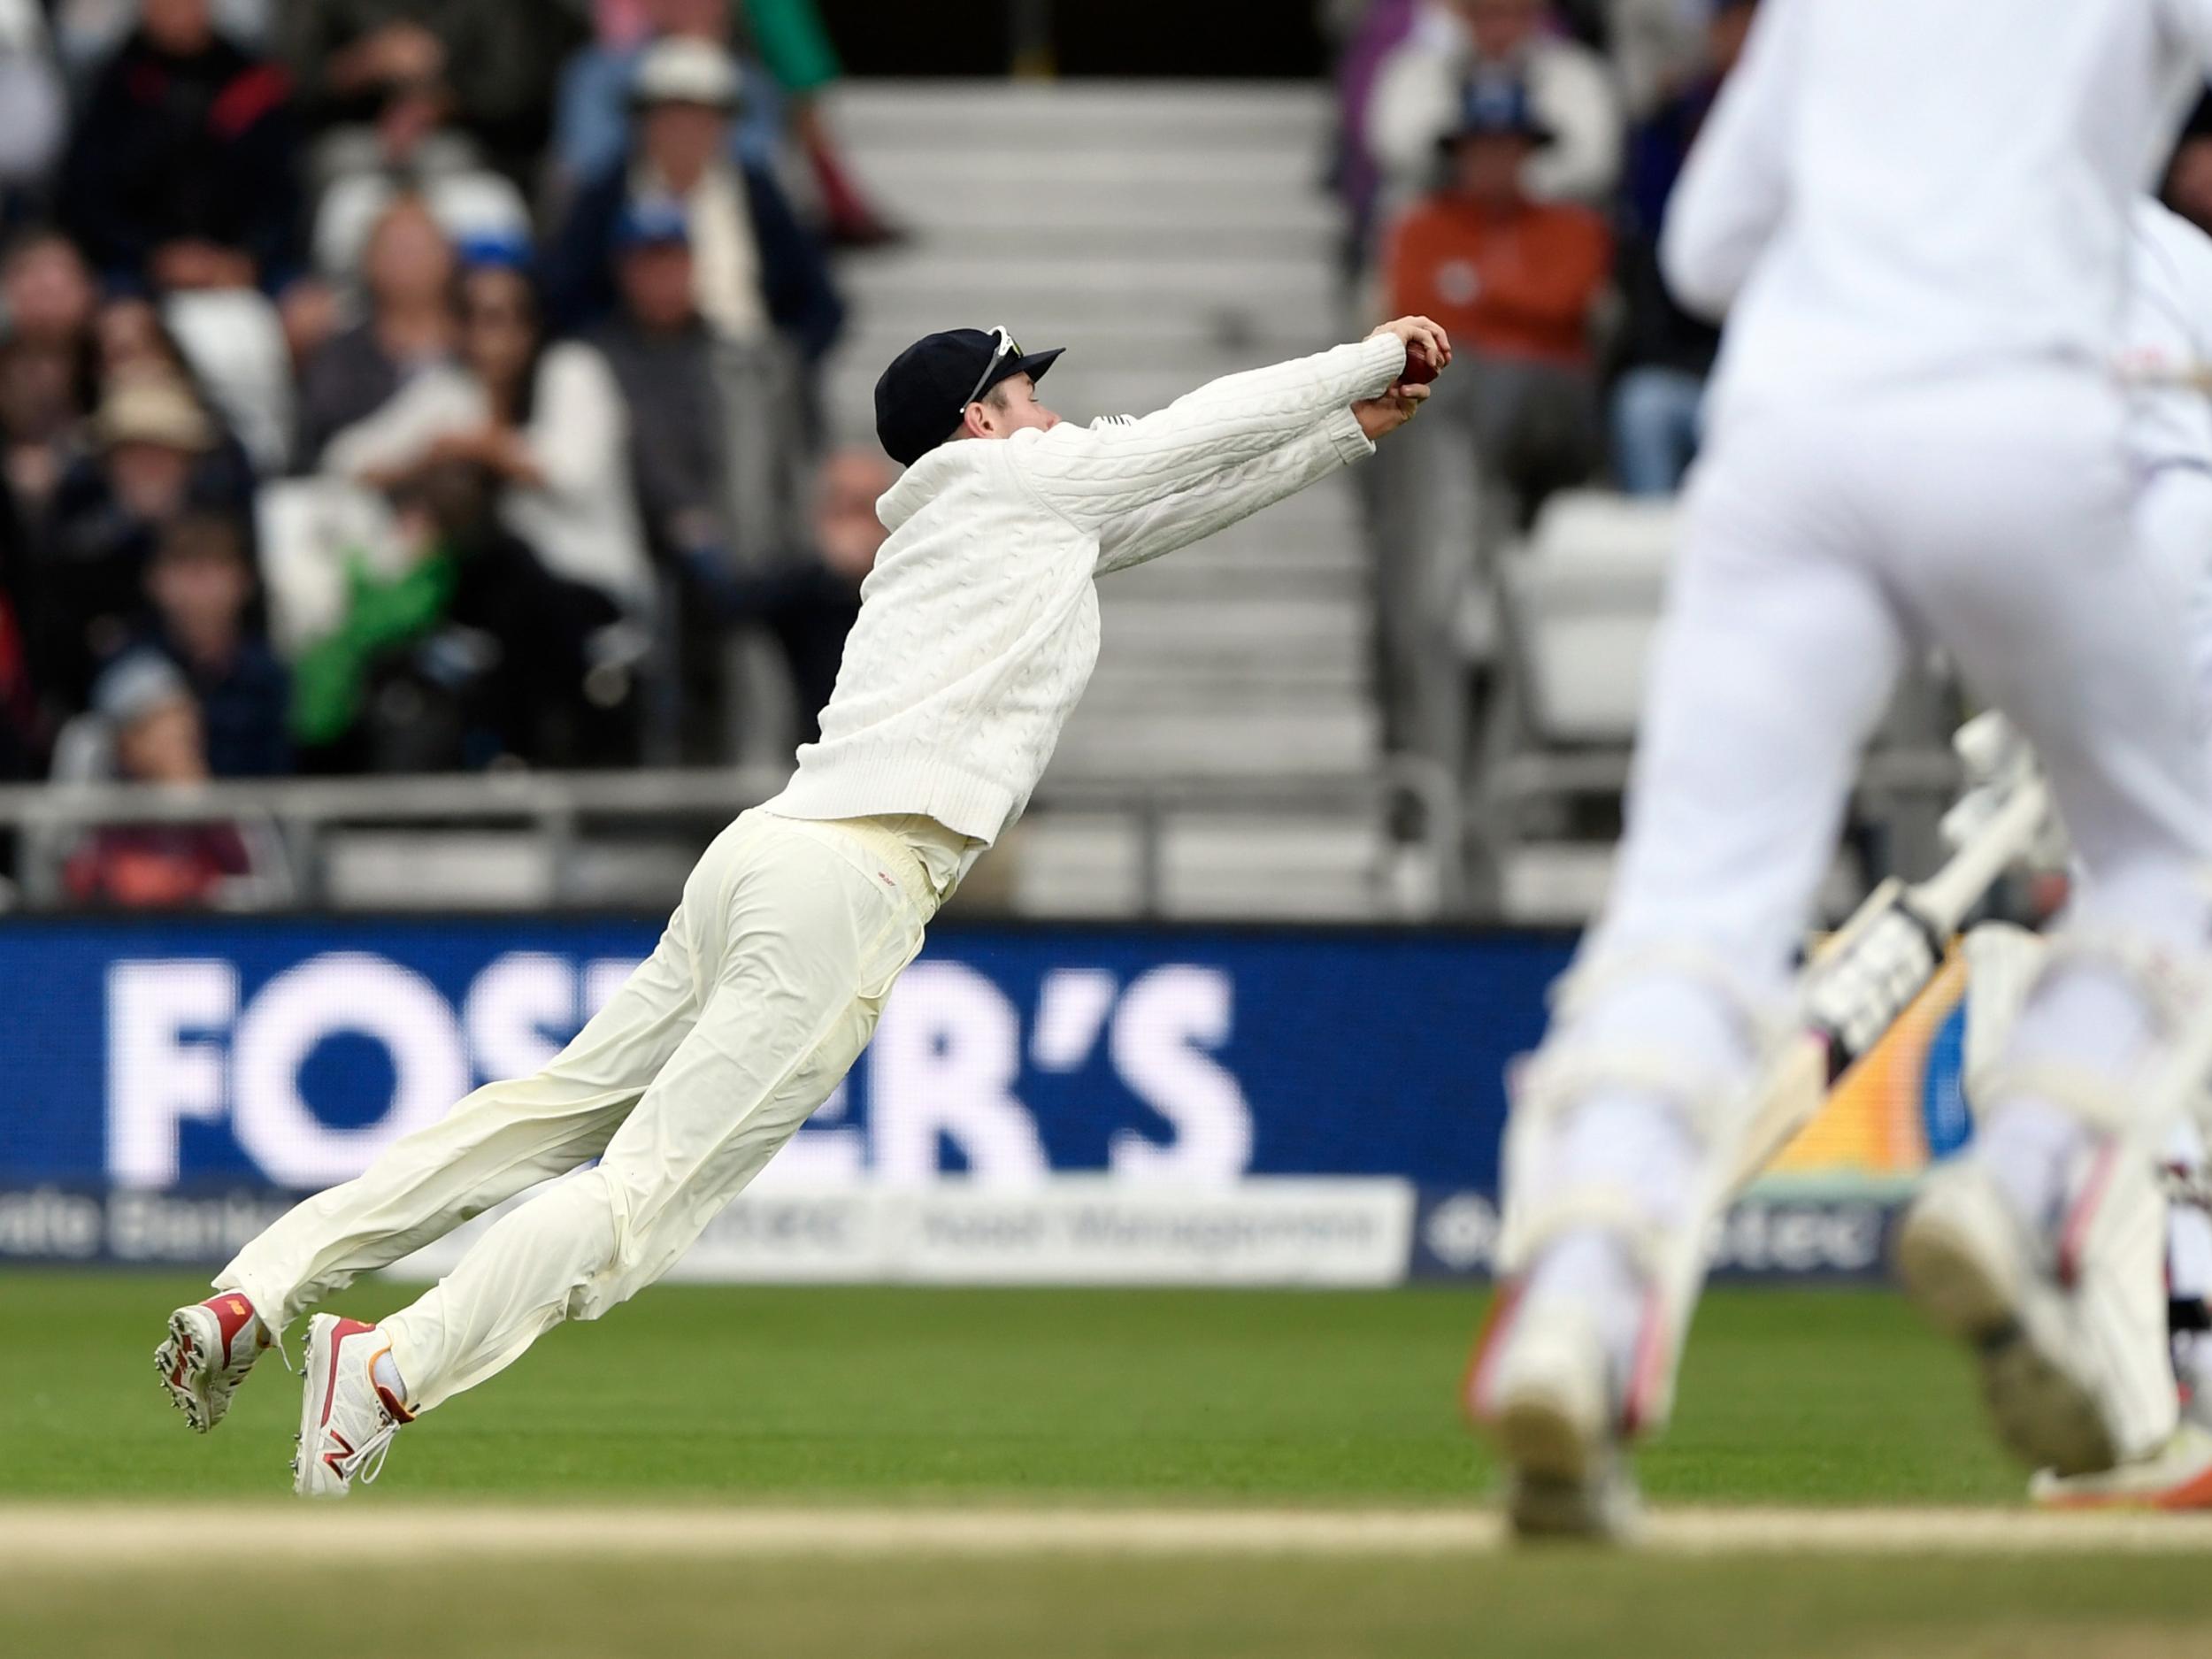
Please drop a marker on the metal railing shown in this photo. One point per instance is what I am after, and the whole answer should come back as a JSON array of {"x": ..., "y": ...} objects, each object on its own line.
[{"x": 559, "y": 806}]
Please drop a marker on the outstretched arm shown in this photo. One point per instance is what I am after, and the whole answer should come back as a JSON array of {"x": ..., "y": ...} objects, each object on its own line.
[
  {"x": 1093, "y": 475},
  {"x": 1229, "y": 497}
]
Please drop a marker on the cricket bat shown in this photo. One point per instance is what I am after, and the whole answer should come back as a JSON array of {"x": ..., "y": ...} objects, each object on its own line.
[{"x": 1865, "y": 976}]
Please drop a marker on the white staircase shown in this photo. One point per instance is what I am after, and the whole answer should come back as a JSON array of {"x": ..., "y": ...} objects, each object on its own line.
[{"x": 1165, "y": 234}]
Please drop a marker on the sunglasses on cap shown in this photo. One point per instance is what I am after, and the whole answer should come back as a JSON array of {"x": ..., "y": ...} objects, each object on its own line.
[{"x": 1006, "y": 347}]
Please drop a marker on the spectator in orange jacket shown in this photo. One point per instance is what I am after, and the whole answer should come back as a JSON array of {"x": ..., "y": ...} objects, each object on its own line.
[
  {"x": 1515, "y": 281},
  {"x": 1510, "y": 276}
]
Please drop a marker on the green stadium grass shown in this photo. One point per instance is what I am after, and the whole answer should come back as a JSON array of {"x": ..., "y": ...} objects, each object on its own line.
[
  {"x": 894, "y": 1397},
  {"x": 891, "y": 1394}
]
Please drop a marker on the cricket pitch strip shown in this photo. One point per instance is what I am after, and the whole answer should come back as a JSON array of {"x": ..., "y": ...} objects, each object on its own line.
[{"x": 64, "y": 1536}]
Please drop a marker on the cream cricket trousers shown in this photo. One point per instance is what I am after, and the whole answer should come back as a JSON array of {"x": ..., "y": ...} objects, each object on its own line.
[
  {"x": 1991, "y": 516},
  {"x": 762, "y": 991}
]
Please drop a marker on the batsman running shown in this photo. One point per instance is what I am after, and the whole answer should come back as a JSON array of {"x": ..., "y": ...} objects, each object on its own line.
[
  {"x": 2168, "y": 352},
  {"x": 1915, "y": 438},
  {"x": 978, "y": 632},
  {"x": 1873, "y": 970}
]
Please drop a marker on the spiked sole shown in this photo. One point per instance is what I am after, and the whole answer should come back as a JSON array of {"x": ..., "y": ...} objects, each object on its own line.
[
  {"x": 310, "y": 1480},
  {"x": 184, "y": 1363}
]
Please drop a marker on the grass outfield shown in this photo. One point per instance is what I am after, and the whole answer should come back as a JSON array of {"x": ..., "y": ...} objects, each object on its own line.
[
  {"x": 860, "y": 1407},
  {"x": 900, "y": 1395}
]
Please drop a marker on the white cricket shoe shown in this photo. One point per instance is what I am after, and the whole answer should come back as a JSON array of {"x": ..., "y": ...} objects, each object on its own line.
[
  {"x": 211, "y": 1346},
  {"x": 2176, "y": 1476},
  {"x": 347, "y": 1419},
  {"x": 2069, "y": 1332},
  {"x": 1542, "y": 1388}
]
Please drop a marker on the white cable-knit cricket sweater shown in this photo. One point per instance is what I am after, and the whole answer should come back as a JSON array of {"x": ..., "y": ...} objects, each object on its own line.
[{"x": 979, "y": 626}]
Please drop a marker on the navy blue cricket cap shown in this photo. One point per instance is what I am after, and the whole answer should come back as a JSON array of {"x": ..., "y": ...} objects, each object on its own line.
[
  {"x": 1497, "y": 106},
  {"x": 924, "y": 392},
  {"x": 652, "y": 221}
]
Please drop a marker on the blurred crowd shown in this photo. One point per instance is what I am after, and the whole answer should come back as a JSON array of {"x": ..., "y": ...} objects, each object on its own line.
[
  {"x": 403, "y": 385},
  {"x": 419, "y": 385},
  {"x": 1505, "y": 168}
]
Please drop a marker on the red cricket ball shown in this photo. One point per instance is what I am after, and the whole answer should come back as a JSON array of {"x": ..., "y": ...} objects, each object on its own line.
[{"x": 1419, "y": 369}]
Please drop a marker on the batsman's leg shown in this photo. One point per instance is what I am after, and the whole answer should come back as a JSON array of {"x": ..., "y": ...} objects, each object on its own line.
[
  {"x": 1776, "y": 659},
  {"x": 2041, "y": 1247},
  {"x": 2174, "y": 519},
  {"x": 2189, "y": 1267}
]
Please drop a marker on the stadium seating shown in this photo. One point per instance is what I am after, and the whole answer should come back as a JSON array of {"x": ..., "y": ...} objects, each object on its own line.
[
  {"x": 1583, "y": 596},
  {"x": 1581, "y": 599}
]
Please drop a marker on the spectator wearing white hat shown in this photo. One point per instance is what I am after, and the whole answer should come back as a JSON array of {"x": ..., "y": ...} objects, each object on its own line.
[
  {"x": 758, "y": 271},
  {"x": 790, "y": 64},
  {"x": 592, "y": 128}
]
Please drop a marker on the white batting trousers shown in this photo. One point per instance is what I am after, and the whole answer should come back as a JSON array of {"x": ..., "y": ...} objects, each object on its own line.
[
  {"x": 762, "y": 991},
  {"x": 1990, "y": 516},
  {"x": 2174, "y": 523}
]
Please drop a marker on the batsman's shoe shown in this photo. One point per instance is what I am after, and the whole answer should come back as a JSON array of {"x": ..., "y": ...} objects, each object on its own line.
[
  {"x": 2068, "y": 1329},
  {"x": 1542, "y": 1388},
  {"x": 347, "y": 1419},
  {"x": 211, "y": 1346},
  {"x": 2176, "y": 1476},
  {"x": 2193, "y": 1375}
]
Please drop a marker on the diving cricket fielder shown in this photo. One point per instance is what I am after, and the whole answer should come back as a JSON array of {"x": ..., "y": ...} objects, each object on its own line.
[{"x": 978, "y": 632}]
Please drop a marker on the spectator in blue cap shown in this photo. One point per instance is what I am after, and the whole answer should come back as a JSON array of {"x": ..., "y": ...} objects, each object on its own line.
[
  {"x": 1419, "y": 88},
  {"x": 662, "y": 352}
]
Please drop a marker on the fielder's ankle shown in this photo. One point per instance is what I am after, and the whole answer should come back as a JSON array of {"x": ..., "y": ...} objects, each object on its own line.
[{"x": 385, "y": 1374}]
